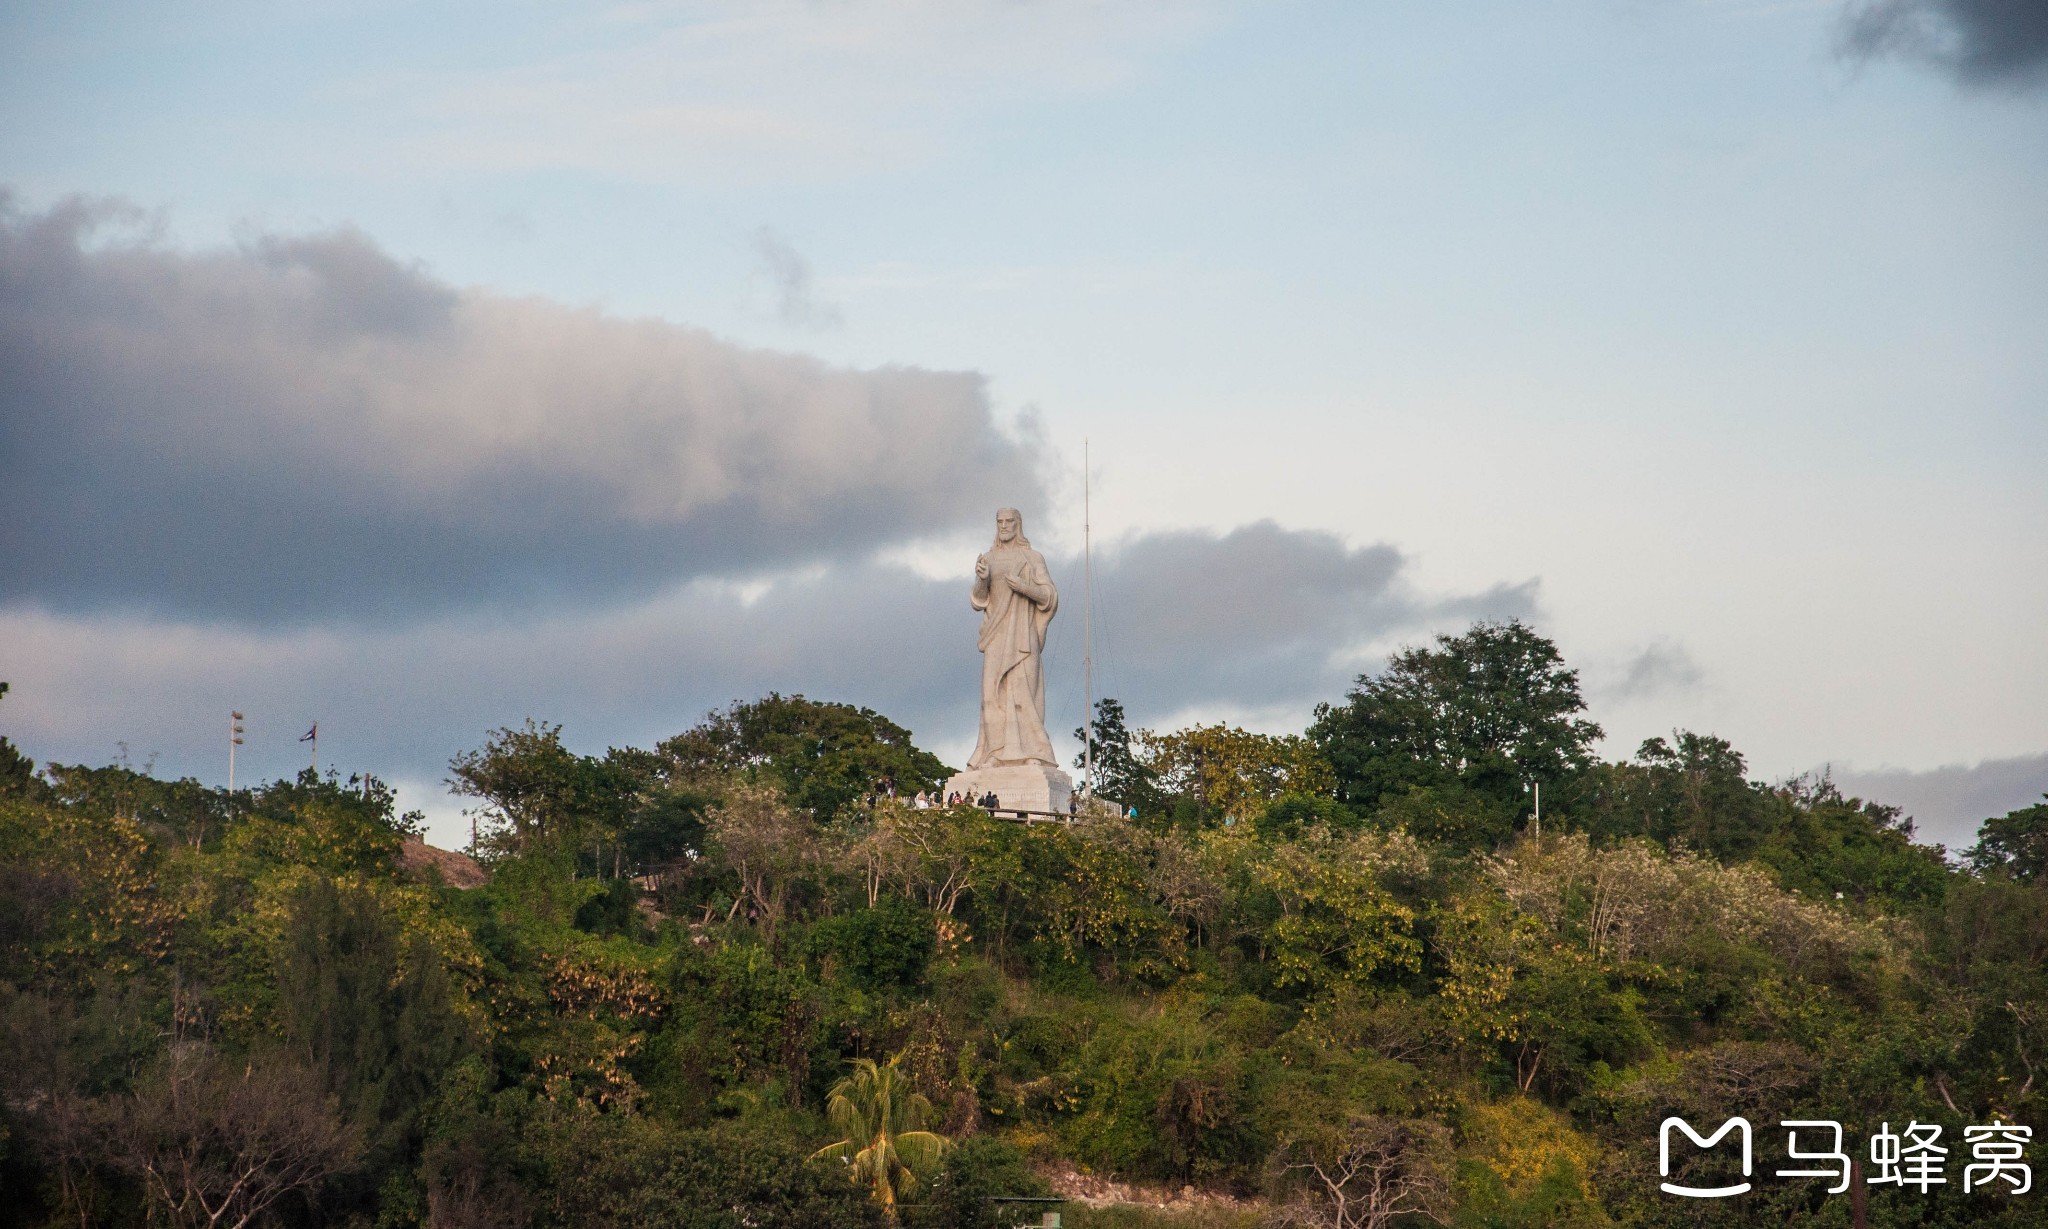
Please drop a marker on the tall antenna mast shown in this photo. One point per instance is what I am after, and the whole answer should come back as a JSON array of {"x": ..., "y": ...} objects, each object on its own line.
[{"x": 1087, "y": 637}]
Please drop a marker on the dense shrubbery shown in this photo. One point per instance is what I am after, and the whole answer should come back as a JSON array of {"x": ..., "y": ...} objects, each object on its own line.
[{"x": 1302, "y": 958}]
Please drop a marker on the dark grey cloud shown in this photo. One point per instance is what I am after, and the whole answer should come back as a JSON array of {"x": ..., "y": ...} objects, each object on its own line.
[
  {"x": 1982, "y": 42},
  {"x": 1947, "y": 804},
  {"x": 305, "y": 429},
  {"x": 1659, "y": 669},
  {"x": 790, "y": 284},
  {"x": 1259, "y": 618}
]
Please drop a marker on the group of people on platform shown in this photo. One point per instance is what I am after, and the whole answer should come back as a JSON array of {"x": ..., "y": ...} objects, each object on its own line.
[
  {"x": 925, "y": 802},
  {"x": 988, "y": 801}
]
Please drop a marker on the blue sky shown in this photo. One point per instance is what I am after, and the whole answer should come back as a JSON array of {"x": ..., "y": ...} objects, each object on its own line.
[{"x": 1713, "y": 345}]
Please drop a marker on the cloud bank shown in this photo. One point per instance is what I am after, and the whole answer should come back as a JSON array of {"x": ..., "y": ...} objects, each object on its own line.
[
  {"x": 306, "y": 480},
  {"x": 1981, "y": 42},
  {"x": 1200, "y": 621},
  {"x": 305, "y": 428},
  {"x": 1947, "y": 804}
]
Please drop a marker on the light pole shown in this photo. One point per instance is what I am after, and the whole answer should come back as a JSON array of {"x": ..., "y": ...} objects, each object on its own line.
[
  {"x": 1087, "y": 640},
  {"x": 234, "y": 740},
  {"x": 1536, "y": 788}
]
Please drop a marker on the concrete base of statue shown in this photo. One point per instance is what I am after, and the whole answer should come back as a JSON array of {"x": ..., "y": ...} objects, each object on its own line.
[{"x": 1017, "y": 787}]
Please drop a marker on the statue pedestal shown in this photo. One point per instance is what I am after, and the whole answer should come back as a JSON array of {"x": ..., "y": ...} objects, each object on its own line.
[{"x": 1022, "y": 787}]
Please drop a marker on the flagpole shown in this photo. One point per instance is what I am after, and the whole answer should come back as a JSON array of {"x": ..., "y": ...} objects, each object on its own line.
[{"x": 1087, "y": 637}]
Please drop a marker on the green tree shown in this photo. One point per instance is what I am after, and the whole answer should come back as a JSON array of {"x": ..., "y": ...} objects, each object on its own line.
[
  {"x": 1230, "y": 774},
  {"x": 1491, "y": 709},
  {"x": 17, "y": 771},
  {"x": 823, "y": 756},
  {"x": 372, "y": 1016},
  {"x": 882, "y": 1137},
  {"x": 530, "y": 785},
  {"x": 1689, "y": 788},
  {"x": 1822, "y": 843},
  {"x": 2014, "y": 844},
  {"x": 885, "y": 945},
  {"x": 337, "y": 829},
  {"x": 1334, "y": 921},
  {"x": 611, "y": 1173},
  {"x": 973, "y": 1181},
  {"x": 662, "y": 824},
  {"x": 188, "y": 811},
  {"x": 1990, "y": 945},
  {"x": 1119, "y": 776},
  {"x": 729, "y": 1178}
]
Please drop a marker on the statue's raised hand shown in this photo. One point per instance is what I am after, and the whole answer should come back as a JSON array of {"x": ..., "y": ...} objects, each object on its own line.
[{"x": 981, "y": 567}]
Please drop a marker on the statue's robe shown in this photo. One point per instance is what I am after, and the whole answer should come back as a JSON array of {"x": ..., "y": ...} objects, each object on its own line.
[{"x": 1012, "y": 658}]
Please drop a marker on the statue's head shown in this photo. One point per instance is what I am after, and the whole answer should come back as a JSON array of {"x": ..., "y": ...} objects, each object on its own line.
[{"x": 1010, "y": 528}]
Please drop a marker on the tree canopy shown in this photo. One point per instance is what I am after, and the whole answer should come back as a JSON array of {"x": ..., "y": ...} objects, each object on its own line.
[
  {"x": 1491, "y": 710},
  {"x": 1317, "y": 978}
]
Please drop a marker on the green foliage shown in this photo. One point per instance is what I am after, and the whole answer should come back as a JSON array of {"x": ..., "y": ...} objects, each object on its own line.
[
  {"x": 376, "y": 1021},
  {"x": 185, "y": 811},
  {"x": 1291, "y": 816},
  {"x": 1333, "y": 922},
  {"x": 737, "y": 1018},
  {"x": 611, "y": 911},
  {"x": 1398, "y": 977},
  {"x": 1228, "y": 775},
  {"x": 821, "y": 755},
  {"x": 320, "y": 825},
  {"x": 881, "y": 947},
  {"x": 1690, "y": 792},
  {"x": 2014, "y": 844},
  {"x": 539, "y": 797},
  {"x": 1449, "y": 813},
  {"x": 1166, "y": 1094},
  {"x": 635, "y": 1175},
  {"x": 1557, "y": 1199},
  {"x": 1490, "y": 710},
  {"x": 882, "y": 1140},
  {"x": 1119, "y": 775},
  {"x": 17, "y": 771},
  {"x": 973, "y": 1174}
]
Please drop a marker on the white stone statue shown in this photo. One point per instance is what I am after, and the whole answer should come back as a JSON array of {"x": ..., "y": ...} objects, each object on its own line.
[
  {"x": 1013, "y": 758},
  {"x": 1017, "y": 600}
]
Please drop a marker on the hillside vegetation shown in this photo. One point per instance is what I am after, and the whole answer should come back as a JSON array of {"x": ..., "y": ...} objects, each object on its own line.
[{"x": 737, "y": 979}]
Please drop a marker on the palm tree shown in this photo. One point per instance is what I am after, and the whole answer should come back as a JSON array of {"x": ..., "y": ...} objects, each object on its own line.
[{"x": 882, "y": 1124}]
